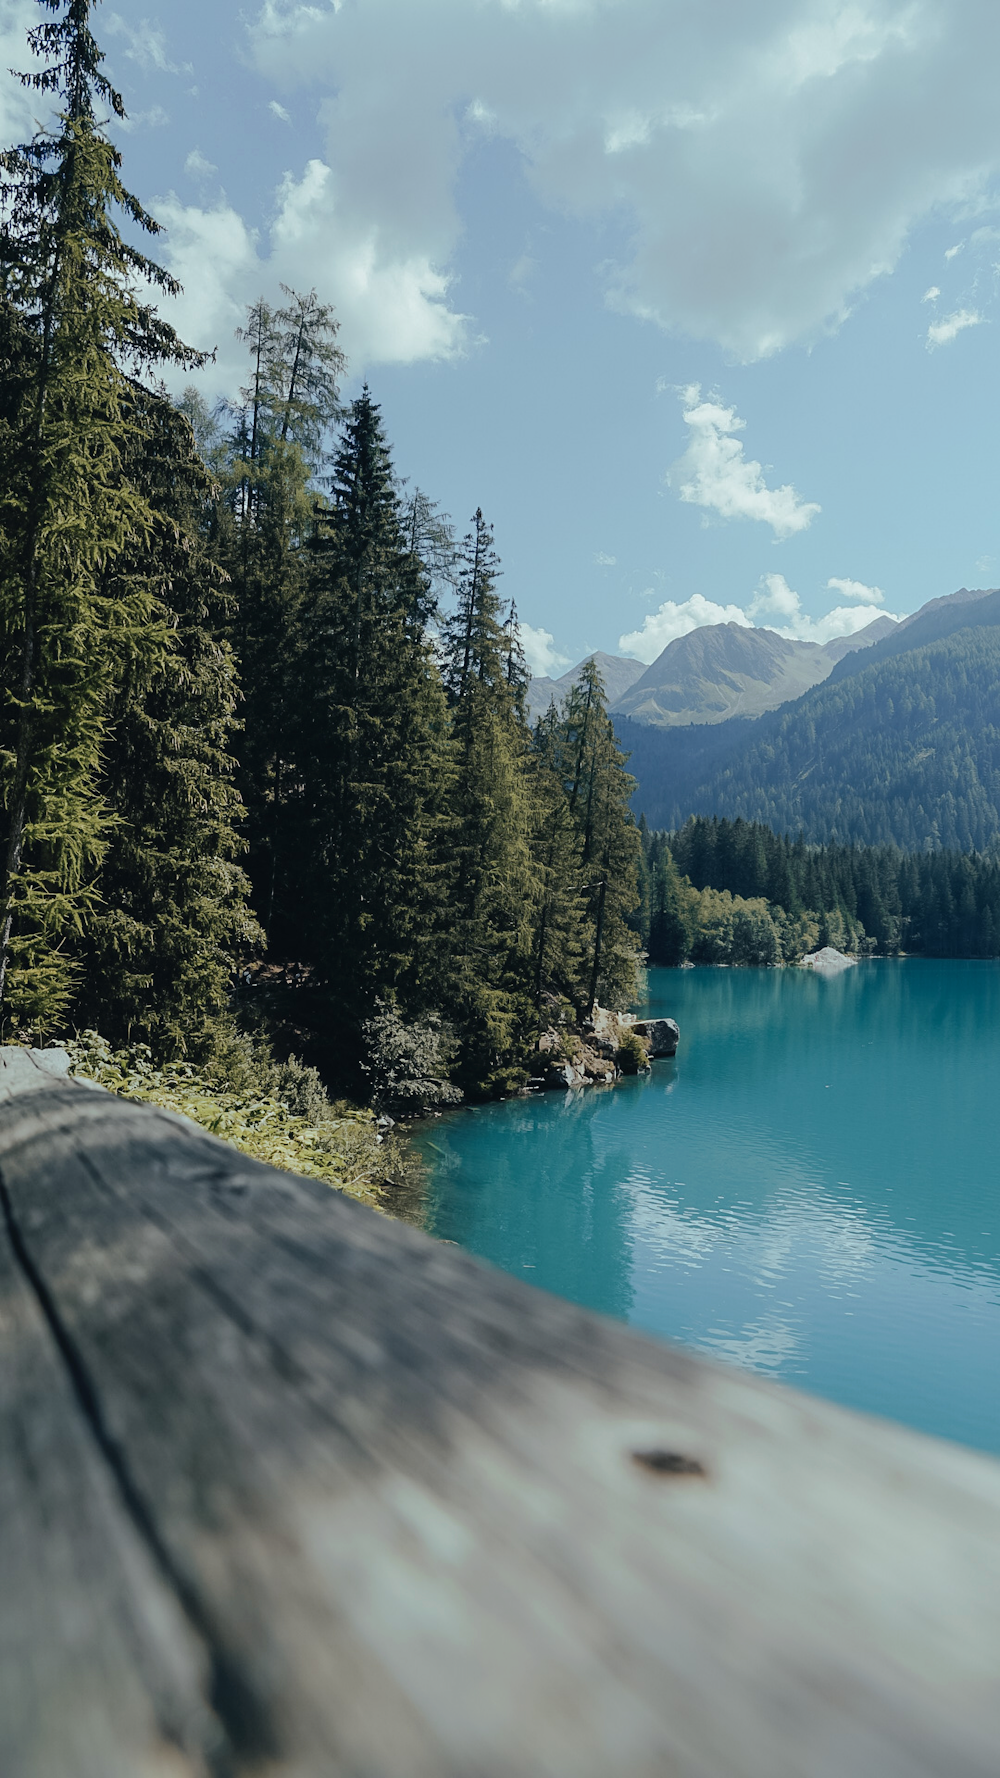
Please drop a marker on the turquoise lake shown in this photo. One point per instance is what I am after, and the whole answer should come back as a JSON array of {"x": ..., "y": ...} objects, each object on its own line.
[{"x": 811, "y": 1188}]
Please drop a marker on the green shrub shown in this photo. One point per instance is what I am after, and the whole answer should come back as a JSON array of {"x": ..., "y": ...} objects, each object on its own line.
[
  {"x": 407, "y": 1064},
  {"x": 336, "y": 1143},
  {"x": 632, "y": 1055}
]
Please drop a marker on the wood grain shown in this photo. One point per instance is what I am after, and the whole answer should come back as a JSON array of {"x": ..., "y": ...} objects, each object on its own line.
[{"x": 340, "y": 1500}]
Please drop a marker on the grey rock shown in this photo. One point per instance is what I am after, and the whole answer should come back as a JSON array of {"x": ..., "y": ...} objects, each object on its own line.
[
  {"x": 561, "y": 1074},
  {"x": 828, "y": 961},
  {"x": 662, "y": 1035}
]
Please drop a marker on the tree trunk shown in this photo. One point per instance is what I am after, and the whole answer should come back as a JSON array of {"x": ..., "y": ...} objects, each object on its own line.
[{"x": 598, "y": 939}]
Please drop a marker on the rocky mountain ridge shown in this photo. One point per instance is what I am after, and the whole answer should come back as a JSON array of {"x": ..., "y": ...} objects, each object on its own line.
[
  {"x": 712, "y": 674},
  {"x": 900, "y": 745}
]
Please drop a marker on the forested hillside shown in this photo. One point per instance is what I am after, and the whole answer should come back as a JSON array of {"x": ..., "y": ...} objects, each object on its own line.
[
  {"x": 904, "y": 752},
  {"x": 263, "y": 715},
  {"x": 734, "y": 891}
]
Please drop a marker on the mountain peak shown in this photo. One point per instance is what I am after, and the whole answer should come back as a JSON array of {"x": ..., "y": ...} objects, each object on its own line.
[
  {"x": 723, "y": 670},
  {"x": 617, "y": 671}
]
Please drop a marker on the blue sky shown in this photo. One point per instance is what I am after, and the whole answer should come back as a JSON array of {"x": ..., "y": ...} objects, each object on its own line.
[{"x": 697, "y": 300}]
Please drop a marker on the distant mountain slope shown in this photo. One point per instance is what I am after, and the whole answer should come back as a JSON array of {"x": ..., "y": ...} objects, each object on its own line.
[
  {"x": 711, "y": 674},
  {"x": 618, "y": 672},
  {"x": 726, "y": 670},
  {"x": 934, "y": 621},
  {"x": 904, "y": 750},
  {"x": 872, "y": 633}
]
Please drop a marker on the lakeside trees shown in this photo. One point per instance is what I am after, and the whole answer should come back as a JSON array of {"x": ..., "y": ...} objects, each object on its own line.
[
  {"x": 733, "y": 891},
  {"x": 85, "y": 594},
  {"x": 254, "y": 693}
]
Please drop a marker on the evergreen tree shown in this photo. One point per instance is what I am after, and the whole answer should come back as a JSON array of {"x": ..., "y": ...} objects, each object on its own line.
[
  {"x": 491, "y": 881},
  {"x": 69, "y": 619},
  {"x": 669, "y": 932},
  {"x": 304, "y": 364},
  {"x": 371, "y": 747},
  {"x": 599, "y": 792},
  {"x": 275, "y": 451},
  {"x": 640, "y": 916},
  {"x": 431, "y": 540},
  {"x": 159, "y": 951},
  {"x": 557, "y": 910}
]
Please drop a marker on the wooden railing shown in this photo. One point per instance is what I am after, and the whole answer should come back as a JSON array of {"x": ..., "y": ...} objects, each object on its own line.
[{"x": 288, "y": 1490}]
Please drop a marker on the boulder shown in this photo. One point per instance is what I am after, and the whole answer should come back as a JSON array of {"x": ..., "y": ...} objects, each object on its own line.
[
  {"x": 564, "y": 1074},
  {"x": 828, "y": 961},
  {"x": 662, "y": 1035}
]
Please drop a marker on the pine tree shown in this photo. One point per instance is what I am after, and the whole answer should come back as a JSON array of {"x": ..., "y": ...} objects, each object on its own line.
[
  {"x": 558, "y": 906},
  {"x": 304, "y": 364},
  {"x": 159, "y": 951},
  {"x": 276, "y": 450},
  {"x": 669, "y": 933},
  {"x": 68, "y": 618},
  {"x": 491, "y": 885},
  {"x": 372, "y": 747},
  {"x": 639, "y": 918},
  {"x": 599, "y": 790}
]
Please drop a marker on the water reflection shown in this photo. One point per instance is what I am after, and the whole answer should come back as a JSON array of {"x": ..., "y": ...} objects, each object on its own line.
[
  {"x": 809, "y": 1189},
  {"x": 574, "y": 1233}
]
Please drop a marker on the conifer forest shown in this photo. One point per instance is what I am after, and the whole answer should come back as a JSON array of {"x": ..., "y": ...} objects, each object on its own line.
[{"x": 264, "y": 747}]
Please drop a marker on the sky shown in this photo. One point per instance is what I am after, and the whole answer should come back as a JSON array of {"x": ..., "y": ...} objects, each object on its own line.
[{"x": 696, "y": 299}]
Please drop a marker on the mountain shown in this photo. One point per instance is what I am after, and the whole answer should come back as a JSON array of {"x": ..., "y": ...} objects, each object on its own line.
[
  {"x": 711, "y": 674},
  {"x": 724, "y": 670},
  {"x": 934, "y": 621},
  {"x": 618, "y": 672},
  {"x": 903, "y": 749},
  {"x": 880, "y": 630}
]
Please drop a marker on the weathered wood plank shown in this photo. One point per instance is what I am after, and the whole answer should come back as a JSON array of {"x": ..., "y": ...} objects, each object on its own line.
[
  {"x": 398, "y": 1500},
  {"x": 100, "y": 1674}
]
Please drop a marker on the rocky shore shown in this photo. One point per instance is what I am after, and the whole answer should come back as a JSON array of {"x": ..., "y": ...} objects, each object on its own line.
[{"x": 599, "y": 1050}]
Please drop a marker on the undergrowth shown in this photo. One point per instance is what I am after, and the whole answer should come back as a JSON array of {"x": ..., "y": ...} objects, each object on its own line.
[{"x": 290, "y": 1124}]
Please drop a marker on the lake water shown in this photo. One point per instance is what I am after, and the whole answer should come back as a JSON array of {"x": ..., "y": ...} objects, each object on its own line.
[{"x": 811, "y": 1189}]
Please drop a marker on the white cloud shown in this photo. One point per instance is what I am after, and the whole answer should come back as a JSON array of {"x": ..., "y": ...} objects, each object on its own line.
[
  {"x": 856, "y": 589},
  {"x": 153, "y": 119},
  {"x": 941, "y": 333},
  {"x": 931, "y": 295},
  {"x": 541, "y": 653},
  {"x": 147, "y": 45},
  {"x": 774, "y": 606},
  {"x": 19, "y": 108},
  {"x": 521, "y": 273},
  {"x": 714, "y": 473},
  {"x": 391, "y": 308},
  {"x": 214, "y": 255},
  {"x": 279, "y": 111},
  {"x": 604, "y": 561},
  {"x": 775, "y": 598},
  {"x": 673, "y": 620},
  {"x": 768, "y": 161},
  {"x": 199, "y": 166},
  {"x": 950, "y": 252}
]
